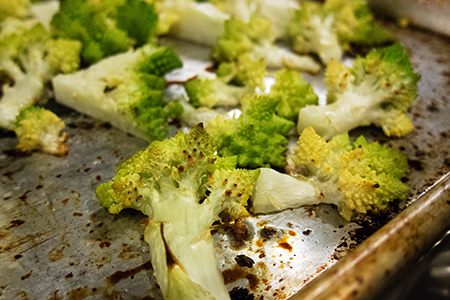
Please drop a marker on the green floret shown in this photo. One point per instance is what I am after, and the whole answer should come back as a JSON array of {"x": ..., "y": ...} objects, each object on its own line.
[
  {"x": 355, "y": 23},
  {"x": 255, "y": 39},
  {"x": 329, "y": 28},
  {"x": 39, "y": 129},
  {"x": 257, "y": 137},
  {"x": 14, "y": 8},
  {"x": 126, "y": 90},
  {"x": 377, "y": 90},
  {"x": 312, "y": 30},
  {"x": 183, "y": 187},
  {"x": 233, "y": 81},
  {"x": 355, "y": 177},
  {"x": 105, "y": 27},
  {"x": 29, "y": 58},
  {"x": 294, "y": 93},
  {"x": 212, "y": 92}
]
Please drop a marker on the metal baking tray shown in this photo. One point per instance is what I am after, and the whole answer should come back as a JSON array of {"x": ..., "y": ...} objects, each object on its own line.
[{"x": 56, "y": 242}]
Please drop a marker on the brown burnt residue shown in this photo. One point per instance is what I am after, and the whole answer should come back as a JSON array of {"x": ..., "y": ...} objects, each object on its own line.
[
  {"x": 292, "y": 233},
  {"x": 268, "y": 232},
  {"x": 17, "y": 153},
  {"x": 244, "y": 261},
  {"x": 57, "y": 253},
  {"x": 259, "y": 243},
  {"x": 262, "y": 223},
  {"x": 65, "y": 201},
  {"x": 120, "y": 275},
  {"x": 127, "y": 252},
  {"x": 26, "y": 276},
  {"x": 77, "y": 214},
  {"x": 415, "y": 164},
  {"x": 104, "y": 244},
  {"x": 24, "y": 197},
  {"x": 68, "y": 276},
  {"x": 81, "y": 293},
  {"x": 15, "y": 223},
  {"x": 307, "y": 232},
  {"x": 283, "y": 244}
]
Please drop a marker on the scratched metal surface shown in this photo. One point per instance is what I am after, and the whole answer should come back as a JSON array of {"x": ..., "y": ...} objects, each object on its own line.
[{"x": 57, "y": 243}]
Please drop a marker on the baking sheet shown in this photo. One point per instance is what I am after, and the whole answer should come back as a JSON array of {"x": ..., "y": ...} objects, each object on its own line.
[{"x": 57, "y": 243}]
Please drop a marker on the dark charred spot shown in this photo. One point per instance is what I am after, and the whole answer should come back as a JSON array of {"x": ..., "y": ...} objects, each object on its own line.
[
  {"x": 201, "y": 154},
  {"x": 228, "y": 193},
  {"x": 138, "y": 197},
  {"x": 224, "y": 182},
  {"x": 241, "y": 294},
  {"x": 194, "y": 150},
  {"x": 240, "y": 231},
  {"x": 239, "y": 194},
  {"x": 415, "y": 164},
  {"x": 376, "y": 185},
  {"x": 244, "y": 261},
  {"x": 181, "y": 168},
  {"x": 15, "y": 223},
  {"x": 119, "y": 275},
  {"x": 267, "y": 232},
  {"x": 388, "y": 84},
  {"x": 307, "y": 232},
  {"x": 235, "y": 185}
]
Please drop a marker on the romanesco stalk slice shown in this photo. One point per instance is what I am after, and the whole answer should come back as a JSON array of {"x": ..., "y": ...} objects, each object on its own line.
[
  {"x": 126, "y": 90},
  {"x": 377, "y": 90},
  {"x": 355, "y": 177},
  {"x": 40, "y": 129},
  {"x": 257, "y": 137},
  {"x": 182, "y": 186}
]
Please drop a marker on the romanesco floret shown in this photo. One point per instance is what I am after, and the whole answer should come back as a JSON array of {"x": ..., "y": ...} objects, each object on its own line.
[
  {"x": 312, "y": 31},
  {"x": 293, "y": 92},
  {"x": 255, "y": 39},
  {"x": 258, "y": 137},
  {"x": 377, "y": 90},
  {"x": 329, "y": 28},
  {"x": 126, "y": 90},
  {"x": 234, "y": 80},
  {"x": 182, "y": 186},
  {"x": 355, "y": 177},
  {"x": 212, "y": 92},
  {"x": 29, "y": 58},
  {"x": 16, "y": 8},
  {"x": 355, "y": 23},
  {"x": 278, "y": 12},
  {"x": 40, "y": 129},
  {"x": 105, "y": 27}
]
